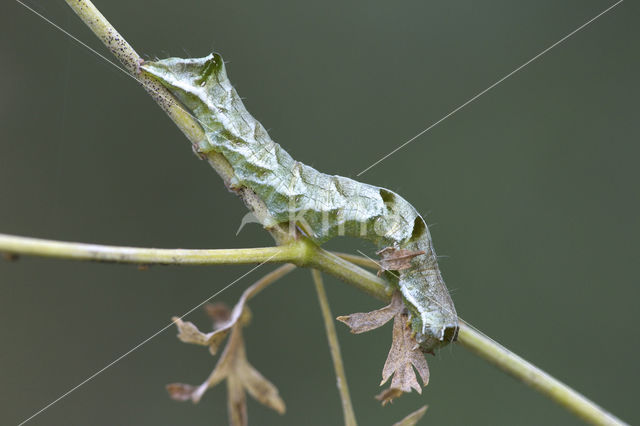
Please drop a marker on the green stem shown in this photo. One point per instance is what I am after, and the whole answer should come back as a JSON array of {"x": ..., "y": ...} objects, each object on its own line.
[
  {"x": 267, "y": 280},
  {"x": 319, "y": 258},
  {"x": 15, "y": 245},
  {"x": 334, "y": 346},
  {"x": 534, "y": 377},
  {"x": 185, "y": 121},
  {"x": 481, "y": 345},
  {"x": 352, "y": 274},
  {"x": 358, "y": 260}
]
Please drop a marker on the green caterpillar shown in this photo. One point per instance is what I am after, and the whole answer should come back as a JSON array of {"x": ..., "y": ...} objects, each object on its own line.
[{"x": 323, "y": 206}]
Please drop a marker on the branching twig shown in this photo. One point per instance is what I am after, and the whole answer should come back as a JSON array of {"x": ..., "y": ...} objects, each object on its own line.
[
  {"x": 334, "y": 347},
  {"x": 306, "y": 254},
  {"x": 311, "y": 255}
]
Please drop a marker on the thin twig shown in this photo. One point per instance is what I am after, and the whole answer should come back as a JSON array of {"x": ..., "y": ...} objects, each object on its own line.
[
  {"x": 328, "y": 262},
  {"x": 185, "y": 121},
  {"x": 319, "y": 258},
  {"x": 534, "y": 377},
  {"x": 481, "y": 345},
  {"x": 334, "y": 346},
  {"x": 358, "y": 260},
  {"x": 350, "y": 273},
  {"x": 273, "y": 276},
  {"x": 14, "y": 245}
]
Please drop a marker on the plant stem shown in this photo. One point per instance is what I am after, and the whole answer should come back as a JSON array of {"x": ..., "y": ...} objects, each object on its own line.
[
  {"x": 334, "y": 346},
  {"x": 358, "y": 260},
  {"x": 15, "y": 245},
  {"x": 317, "y": 257},
  {"x": 304, "y": 253},
  {"x": 352, "y": 274},
  {"x": 534, "y": 377},
  {"x": 483, "y": 346},
  {"x": 267, "y": 280},
  {"x": 185, "y": 121}
]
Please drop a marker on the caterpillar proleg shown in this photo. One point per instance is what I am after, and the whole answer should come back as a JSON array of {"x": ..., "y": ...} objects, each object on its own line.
[{"x": 324, "y": 206}]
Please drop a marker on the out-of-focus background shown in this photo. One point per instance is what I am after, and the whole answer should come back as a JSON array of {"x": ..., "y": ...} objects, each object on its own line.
[{"x": 532, "y": 193}]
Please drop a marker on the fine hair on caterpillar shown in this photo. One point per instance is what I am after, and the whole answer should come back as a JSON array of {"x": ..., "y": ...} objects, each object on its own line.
[{"x": 322, "y": 206}]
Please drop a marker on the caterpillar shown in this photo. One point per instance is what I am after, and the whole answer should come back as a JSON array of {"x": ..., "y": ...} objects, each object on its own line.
[{"x": 323, "y": 206}]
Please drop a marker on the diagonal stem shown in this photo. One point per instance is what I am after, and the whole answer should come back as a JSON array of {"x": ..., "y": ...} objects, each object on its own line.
[
  {"x": 478, "y": 343},
  {"x": 183, "y": 119},
  {"x": 543, "y": 382},
  {"x": 319, "y": 258},
  {"x": 358, "y": 260},
  {"x": 334, "y": 346}
]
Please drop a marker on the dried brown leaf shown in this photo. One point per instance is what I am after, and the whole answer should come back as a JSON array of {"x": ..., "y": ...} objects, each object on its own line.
[
  {"x": 393, "y": 259},
  {"x": 388, "y": 395},
  {"x": 413, "y": 418},
  {"x": 260, "y": 388},
  {"x": 236, "y": 403},
  {"x": 181, "y": 391},
  {"x": 223, "y": 319},
  {"x": 219, "y": 312},
  {"x": 403, "y": 357},
  {"x": 366, "y": 321},
  {"x": 240, "y": 375},
  {"x": 189, "y": 333}
]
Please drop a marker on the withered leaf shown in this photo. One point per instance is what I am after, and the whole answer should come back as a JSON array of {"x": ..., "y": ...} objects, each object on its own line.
[
  {"x": 189, "y": 333},
  {"x": 223, "y": 319},
  {"x": 393, "y": 259},
  {"x": 181, "y": 391},
  {"x": 366, "y": 321},
  {"x": 232, "y": 366},
  {"x": 413, "y": 418},
  {"x": 403, "y": 356},
  {"x": 219, "y": 312},
  {"x": 240, "y": 376},
  {"x": 388, "y": 395}
]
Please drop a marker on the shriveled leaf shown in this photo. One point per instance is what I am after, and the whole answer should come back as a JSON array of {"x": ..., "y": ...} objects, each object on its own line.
[
  {"x": 189, "y": 333},
  {"x": 223, "y": 319},
  {"x": 413, "y": 418},
  {"x": 185, "y": 392},
  {"x": 219, "y": 312},
  {"x": 403, "y": 356},
  {"x": 366, "y": 321},
  {"x": 181, "y": 391},
  {"x": 388, "y": 395},
  {"x": 236, "y": 403},
  {"x": 240, "y": 375},
  {"x": 260, "y": 388},
  {"x": 393, "y": 259}
]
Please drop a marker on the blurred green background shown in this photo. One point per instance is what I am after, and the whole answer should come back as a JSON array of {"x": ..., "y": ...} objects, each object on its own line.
[{"x": 532, "y": 191}]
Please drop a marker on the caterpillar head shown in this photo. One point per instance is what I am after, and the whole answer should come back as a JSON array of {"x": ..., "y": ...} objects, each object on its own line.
[
  {"x": 432, "y": 338},
  {"x": 432, "y": 328}
]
